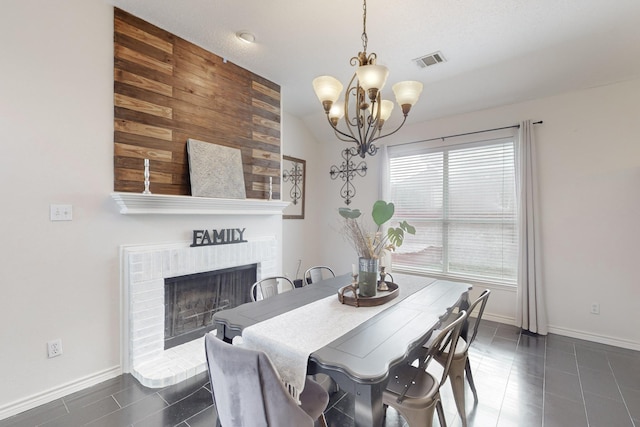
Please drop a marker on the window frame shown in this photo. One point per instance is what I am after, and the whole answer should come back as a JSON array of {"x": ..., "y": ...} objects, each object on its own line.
[{"x": 445, "y": 146}]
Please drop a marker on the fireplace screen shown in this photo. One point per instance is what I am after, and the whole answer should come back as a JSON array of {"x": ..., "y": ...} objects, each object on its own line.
[{"x": 192, "y": 300}]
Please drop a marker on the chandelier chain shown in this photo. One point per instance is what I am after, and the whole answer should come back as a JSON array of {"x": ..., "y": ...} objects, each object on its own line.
[{"x": 365, "y": 39}]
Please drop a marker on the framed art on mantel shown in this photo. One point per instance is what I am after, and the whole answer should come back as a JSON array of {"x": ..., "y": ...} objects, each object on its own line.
[{"x": 293, "y": 186}]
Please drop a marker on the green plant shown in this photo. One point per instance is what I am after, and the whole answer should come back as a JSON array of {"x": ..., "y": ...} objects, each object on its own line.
[{"x": 373, "y": 244}]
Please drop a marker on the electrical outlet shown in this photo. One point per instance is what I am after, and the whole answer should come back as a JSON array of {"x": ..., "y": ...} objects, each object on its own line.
[
  {"x": 54, "y": 348},
  {"x": 61, "y": 212},
  {"x": 595, "y": 308}
]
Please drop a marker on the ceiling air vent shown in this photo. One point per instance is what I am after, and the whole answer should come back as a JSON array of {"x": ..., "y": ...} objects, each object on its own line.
[{"x": 429, "y": 60}]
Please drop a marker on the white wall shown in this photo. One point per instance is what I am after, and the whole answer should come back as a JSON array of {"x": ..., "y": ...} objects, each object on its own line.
[
  {"x": 61, "y": 279},
  {"x": 302, "y": 238},
  {"x": 589, "y": 166}
]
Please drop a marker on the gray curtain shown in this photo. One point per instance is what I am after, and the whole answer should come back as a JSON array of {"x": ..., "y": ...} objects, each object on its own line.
[{"x": 531, "y": 310}]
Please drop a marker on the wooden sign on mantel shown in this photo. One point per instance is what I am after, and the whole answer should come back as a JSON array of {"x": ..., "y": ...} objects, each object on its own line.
[{"x": 224, "y": 236}]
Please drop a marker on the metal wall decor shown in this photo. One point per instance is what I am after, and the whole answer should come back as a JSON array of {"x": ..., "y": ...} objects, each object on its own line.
[
  {"x": 293, "y": 183},
  {"x": 347, "y": 171}
]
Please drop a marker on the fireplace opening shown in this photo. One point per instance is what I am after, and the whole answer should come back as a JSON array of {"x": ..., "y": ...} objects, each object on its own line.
[{"x": 192, "y": 300}]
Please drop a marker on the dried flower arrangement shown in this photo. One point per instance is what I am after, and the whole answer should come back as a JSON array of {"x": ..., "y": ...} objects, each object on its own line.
[{"x": 369, "y": 244}]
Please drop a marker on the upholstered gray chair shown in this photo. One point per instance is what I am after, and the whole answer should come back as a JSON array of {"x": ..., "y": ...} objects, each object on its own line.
[
  {"x": 247, "y": 390},
  {"x": 317, "y": 273},
  {"x": 270, "y": 286},
  {"x": 414, "y": 392}
]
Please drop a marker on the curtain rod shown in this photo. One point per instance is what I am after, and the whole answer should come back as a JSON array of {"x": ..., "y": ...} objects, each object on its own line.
[{"x": 465, "y": 134}]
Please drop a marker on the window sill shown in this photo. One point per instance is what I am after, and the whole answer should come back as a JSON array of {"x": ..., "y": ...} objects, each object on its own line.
[{"x": 493, "y": 284}]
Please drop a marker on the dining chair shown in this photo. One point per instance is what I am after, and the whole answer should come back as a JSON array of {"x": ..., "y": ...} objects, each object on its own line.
[
  {"x": 460, "y": 362},
  {"x": 270, "y": 286},
  {"x": 317, "y": 273},
  {"x": 247, "y": 390},
  {"x": 414, "y": 392}
]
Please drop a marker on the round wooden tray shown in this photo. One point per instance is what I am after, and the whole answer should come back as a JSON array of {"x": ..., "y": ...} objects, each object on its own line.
[{"x": 360, "y": 301}]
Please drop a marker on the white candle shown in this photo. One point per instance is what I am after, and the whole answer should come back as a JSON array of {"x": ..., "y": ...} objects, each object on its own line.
[
  {"x": 354, "y": 270},
  {"x": 146, "y": 162}
]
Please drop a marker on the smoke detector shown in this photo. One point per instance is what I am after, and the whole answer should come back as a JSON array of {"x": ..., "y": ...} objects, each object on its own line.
[{"x": 430, "y": 60}]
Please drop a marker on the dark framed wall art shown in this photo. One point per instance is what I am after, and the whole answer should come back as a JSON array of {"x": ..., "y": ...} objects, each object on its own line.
[{"x": 293, "y": 186}]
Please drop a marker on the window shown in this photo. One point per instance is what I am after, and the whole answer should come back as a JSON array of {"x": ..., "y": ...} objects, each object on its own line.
[{"x": 462, "y": 201}]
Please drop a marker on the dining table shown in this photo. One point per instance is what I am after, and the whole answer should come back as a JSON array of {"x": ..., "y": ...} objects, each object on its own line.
[{"x": 361, "y": 356}]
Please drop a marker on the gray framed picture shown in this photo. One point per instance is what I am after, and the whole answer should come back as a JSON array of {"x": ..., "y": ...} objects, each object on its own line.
[{"x": 293, "y": 186}]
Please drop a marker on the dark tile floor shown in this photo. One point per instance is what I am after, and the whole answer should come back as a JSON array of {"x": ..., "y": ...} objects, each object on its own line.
[{"x": 522, "y": 381}]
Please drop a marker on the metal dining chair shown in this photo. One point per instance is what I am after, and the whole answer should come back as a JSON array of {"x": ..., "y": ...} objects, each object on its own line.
[
  {"x": 270, "y": 286},
  {"x": 317, "y": 274},
  {"x": 460, "y": 362},
  {"x": 247, "y": 390},
  {"x": 414, "y": 392}
]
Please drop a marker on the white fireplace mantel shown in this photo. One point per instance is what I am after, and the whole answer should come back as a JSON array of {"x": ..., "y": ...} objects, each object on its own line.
[{"x": 138, "y": 203}]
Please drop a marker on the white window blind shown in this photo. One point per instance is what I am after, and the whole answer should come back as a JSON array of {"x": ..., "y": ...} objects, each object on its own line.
[{"x": 462, "y": 201}]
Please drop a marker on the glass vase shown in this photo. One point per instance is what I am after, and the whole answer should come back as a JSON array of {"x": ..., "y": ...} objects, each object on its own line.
[{"x": 367, "y": 277}]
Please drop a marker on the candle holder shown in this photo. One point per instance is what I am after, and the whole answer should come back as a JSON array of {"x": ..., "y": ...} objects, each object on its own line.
[
  {"x": 354, "y": 282},
  {"x": 146, "y": 177},
  {"x": 382, "y": 284}
]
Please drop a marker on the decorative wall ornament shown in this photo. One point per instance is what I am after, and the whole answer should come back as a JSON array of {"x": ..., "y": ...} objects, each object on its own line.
[
  {"x": 224, "y": 236},
  {"x": 347, "y": 171},
  {"x": 293, "y": 186}
]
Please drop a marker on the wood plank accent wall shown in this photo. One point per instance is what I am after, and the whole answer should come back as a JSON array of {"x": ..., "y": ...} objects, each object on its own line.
[{"x": 167, "y": 90}]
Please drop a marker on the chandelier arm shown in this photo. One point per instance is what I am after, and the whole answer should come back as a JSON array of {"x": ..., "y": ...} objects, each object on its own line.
[
  {"x": 390, "y": 133},
  {"x": 340, "y": 134},
  {"x": 354, "y": 91}
]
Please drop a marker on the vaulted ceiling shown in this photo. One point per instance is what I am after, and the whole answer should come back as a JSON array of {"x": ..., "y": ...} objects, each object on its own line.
[{"x": 497, "y": 52}]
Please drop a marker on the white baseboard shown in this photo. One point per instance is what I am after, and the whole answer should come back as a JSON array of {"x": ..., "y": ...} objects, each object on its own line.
[
  {"x": 588, "y": 336},
  {"x": 572, "y": 333},
  {"x": 499, "y": 318},
  {"x": 54, "y": 393}
]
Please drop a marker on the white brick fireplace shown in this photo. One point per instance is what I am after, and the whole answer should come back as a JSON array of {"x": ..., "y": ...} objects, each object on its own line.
[
  {"x": 144, "y": 270},
  {"x": 145, "y": 267}
]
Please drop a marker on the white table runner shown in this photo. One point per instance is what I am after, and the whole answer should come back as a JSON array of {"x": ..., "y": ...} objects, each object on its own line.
[{"x": 288, "y": 339}]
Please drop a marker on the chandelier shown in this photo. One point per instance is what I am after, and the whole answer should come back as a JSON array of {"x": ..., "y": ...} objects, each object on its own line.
[{"x": 363, "y": 109}]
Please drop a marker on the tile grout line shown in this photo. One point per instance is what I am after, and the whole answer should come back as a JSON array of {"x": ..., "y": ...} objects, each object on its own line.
[
  {"x": 615, "y": 378},
  {"x": 584, "y": 402}
]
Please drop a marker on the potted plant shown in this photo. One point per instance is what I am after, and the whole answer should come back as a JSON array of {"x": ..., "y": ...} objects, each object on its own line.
[{"x": 372, "y": 245}]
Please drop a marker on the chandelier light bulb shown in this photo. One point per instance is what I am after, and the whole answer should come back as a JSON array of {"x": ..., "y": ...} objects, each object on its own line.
[
  {"x": 372, "y": 78},
  {"x": 386, "y": 107},
  {"x": 327, "y": 90},
  {"x": 407, "y": 94},
  {"x": 336, "y": 112}
]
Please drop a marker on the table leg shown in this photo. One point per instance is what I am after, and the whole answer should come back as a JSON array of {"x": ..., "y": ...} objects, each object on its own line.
[{"x": 369, "y": 411}]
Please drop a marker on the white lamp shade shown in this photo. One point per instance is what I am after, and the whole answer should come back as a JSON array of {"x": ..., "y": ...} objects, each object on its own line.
[
  {"x": 372, "y": 76},
  {"x": 337, "y": 111},
  {"x": 407, "y": 92},
  {"x": 327, "y": 88},
  {"x": 386, "y": 107}
]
